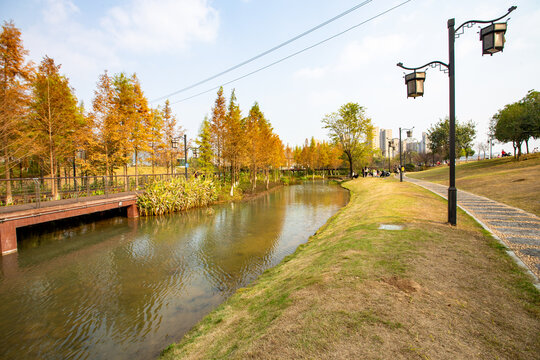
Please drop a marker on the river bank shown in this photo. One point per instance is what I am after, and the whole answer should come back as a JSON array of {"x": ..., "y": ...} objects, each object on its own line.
[{"x": 355, "y": 291}]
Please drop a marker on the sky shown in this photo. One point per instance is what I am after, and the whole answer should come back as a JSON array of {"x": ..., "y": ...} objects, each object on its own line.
[{"x": 172, "y": 44}]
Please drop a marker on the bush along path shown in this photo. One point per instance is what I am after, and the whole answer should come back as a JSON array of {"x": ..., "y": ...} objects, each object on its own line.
[
  {"x": 518, "y": 229},
  {"x": 356, "y": 291}
]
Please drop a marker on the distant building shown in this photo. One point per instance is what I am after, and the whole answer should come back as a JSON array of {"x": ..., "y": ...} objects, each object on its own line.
[
  {"x": 395, "y": 148},
  {"x": 375, "y": 143},
  {"x": 424, "y": 144},
  {"x": 385, "y": 135}
]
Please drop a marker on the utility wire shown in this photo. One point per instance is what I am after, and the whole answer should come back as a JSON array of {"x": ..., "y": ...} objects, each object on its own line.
[
  {"x": 266, "y": 52},
  {"x": 294, "y": 54}
]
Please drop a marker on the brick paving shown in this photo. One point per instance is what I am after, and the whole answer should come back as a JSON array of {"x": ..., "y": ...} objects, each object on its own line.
[{"x": 518, "y": 229}]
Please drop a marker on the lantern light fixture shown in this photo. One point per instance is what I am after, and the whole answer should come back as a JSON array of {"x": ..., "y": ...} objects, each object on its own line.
[
  {"x": 415, "y": 84},
  {"x": 492, "y": 38}
]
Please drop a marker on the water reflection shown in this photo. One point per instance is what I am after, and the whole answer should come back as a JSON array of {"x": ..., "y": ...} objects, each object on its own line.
[{"x": 124, "y": 288}]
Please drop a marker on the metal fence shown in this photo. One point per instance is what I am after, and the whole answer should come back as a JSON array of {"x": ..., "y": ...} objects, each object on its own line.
[{"x": 37, "y": 190}]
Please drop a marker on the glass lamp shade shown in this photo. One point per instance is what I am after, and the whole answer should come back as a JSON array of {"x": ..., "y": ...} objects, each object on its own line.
[
  {"x": 174, "y": 144},
  {"x": 492, "y": 38},
  {"x": 415, "y": 84},
  {"x": 409, "y": 133}
]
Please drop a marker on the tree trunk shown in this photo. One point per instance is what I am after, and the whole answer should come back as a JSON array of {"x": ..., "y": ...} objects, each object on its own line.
[
  {"x": 153, "y": 157},
  {"x": 9, "y": 196},
  {"x": 136, "y": 169},
  {"x": 254, "y": 182},
  {"x": 527, "y": 145},
  {"x": 349, "y": 157},
  {"x": 232, "y": 179},
  {"x": 126, "y": 179},
  {"x": 106, "y": 160}
]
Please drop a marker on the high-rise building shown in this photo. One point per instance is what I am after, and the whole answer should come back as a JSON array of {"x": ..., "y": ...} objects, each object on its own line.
[
  {"x": 375, "y": 143},
  {"x": 384, "y": 137},
  {"x": 424, "y": 144}
]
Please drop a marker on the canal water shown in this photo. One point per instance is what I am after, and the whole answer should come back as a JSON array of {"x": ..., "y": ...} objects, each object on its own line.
[{"x": 120, "y": 288}]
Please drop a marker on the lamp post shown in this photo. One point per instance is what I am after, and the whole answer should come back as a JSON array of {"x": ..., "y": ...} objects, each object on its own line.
[
  {"x": 492, "y": 38},
  {"x": 390, "y": 145},
  {"x": 409, "y": 135},
  {"x": 174, "y": 145}
]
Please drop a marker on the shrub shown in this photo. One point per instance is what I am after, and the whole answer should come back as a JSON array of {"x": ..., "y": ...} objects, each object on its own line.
[
  {"x": 410, "y": 167},
  {"x": 167, "y": 196}
]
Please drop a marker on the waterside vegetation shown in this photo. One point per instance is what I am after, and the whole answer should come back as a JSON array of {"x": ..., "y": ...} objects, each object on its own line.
[{"x": 177, "y": 194}]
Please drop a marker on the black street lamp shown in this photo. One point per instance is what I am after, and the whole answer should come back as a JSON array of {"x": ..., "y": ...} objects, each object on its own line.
[
  {"x": 174, "y": 144},
  {"x": 409, "y": 135},
  {"x": 492, "y": 38}
]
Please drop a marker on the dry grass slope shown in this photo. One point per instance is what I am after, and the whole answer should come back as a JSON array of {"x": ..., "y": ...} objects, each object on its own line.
[
  {"x": 516, "y": 183},
  {"x": 430, "y": 291}
]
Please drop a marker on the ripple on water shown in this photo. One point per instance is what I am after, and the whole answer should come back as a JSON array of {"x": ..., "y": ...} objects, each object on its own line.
[{"x": 125, "y": 289}]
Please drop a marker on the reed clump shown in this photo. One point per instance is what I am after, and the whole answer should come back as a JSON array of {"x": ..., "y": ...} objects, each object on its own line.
[{"x": 172, "y": 195}]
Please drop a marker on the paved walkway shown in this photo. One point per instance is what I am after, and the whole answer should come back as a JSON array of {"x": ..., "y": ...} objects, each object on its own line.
[{"x": 518, "y": 229}]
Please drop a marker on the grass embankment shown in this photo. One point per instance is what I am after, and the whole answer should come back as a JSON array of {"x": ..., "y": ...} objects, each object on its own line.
[
  {"x": 516, "y": 183},
  {"x": 354, "y": 291}
]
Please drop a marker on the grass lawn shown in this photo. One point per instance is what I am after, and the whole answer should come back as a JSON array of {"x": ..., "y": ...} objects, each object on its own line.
[
  {"x": 356, "y": 292},
  {"x": 516, "y": 183}
]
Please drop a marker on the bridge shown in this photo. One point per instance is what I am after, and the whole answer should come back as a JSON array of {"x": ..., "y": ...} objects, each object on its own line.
[{"x": 13, "y": 217}]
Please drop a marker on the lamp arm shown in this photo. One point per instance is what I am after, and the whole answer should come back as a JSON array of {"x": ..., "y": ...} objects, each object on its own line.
[
  {"x": 485, "y": 21},
  {"x": 400, "y": 64},
  {"x": 402, "y": 129}
]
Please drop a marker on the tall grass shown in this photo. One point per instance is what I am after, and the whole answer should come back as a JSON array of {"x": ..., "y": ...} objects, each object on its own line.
[{"x": 171, "y": 195}]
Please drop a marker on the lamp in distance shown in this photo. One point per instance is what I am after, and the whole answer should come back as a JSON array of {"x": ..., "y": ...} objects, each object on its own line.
[
  {"x": 415, "y": 84},
  {"x": 409, "y": 133},
  {"x": 492, "y": 38},
  {"x": 174, "y": 144}
]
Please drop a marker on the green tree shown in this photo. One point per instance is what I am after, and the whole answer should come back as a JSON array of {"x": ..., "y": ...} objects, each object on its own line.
[
  {"x": 352, "y": 129},
  {"x": 206, "y": 155},
  {"x": 439, "y": 135},
  {"x": 508, "y": 126},
  {"x": 531, "y": 121}
]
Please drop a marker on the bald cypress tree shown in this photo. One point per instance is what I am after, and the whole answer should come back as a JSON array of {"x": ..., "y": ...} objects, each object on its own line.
[
  {"x": 14, "y": 86},
  {"x": 217, "y": 127},
  {"x": 55, "y": 118}
]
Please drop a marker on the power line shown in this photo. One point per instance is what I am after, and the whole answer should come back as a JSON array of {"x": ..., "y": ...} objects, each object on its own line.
[
  {"x": 294, "y": 54},
  {"x": 266, "y": 52}
]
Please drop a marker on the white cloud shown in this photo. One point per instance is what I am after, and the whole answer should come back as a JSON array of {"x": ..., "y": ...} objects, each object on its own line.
[
  {"x": 161, "y": 25},
  {"x": 58, "y": 11}
]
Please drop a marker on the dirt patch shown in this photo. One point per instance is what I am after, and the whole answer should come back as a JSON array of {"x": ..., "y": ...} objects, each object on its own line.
[{"x": 405, "y": 285}]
